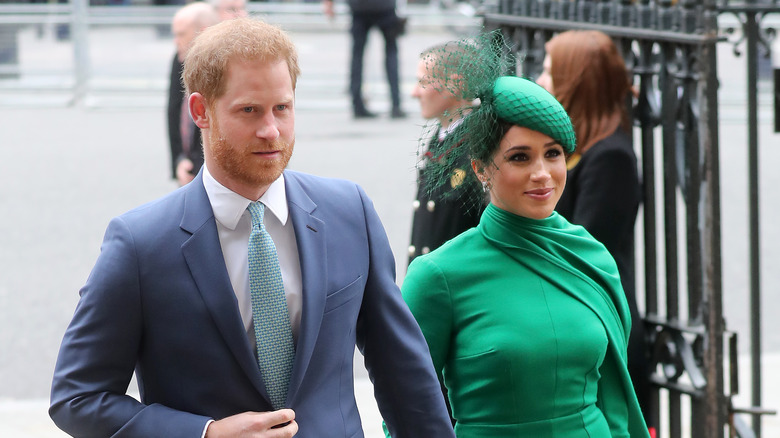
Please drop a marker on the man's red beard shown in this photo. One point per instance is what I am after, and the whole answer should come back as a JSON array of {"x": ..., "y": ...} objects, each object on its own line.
[{"x": 235, "y": 161}]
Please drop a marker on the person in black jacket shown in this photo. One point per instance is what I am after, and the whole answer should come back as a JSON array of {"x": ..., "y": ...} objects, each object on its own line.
[
  {"x": 585, "y": 71},
  {"x": 183, "y": 135},
  {"x": 365, "y": 15},
  {"x": 438, "y": 218}
]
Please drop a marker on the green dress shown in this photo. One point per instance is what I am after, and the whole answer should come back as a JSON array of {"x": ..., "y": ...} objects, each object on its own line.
[{"x": 527, "y": 327}]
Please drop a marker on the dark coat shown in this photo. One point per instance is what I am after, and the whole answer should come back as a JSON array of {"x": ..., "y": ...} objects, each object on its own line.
[
  {"x": 443, "y": 213},
  {"x": 175, "y": 98}
]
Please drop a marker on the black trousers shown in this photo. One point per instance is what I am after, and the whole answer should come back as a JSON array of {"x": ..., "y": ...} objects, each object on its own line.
[{"x": 362, "y": 22}]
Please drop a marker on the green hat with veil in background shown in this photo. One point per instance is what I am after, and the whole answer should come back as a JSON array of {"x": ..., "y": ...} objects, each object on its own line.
[{"x": 477, "y": 68}]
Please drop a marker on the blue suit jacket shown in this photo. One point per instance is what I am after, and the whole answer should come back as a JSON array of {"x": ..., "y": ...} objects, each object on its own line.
[{"x": 159, "y": 301}]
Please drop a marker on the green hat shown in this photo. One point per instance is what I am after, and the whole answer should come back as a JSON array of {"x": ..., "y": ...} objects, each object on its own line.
[
  {"x": 524, "y": 103},
  {"x": 502, "y": 100}
]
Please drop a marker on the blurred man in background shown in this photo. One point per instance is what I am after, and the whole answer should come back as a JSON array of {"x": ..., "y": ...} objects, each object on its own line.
[{"x": 183, "y": 135}]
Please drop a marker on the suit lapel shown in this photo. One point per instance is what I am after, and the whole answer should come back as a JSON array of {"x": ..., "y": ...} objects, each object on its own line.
[
  {"x": 203, "y": 254},
  {"x": 310, "y": 237}
]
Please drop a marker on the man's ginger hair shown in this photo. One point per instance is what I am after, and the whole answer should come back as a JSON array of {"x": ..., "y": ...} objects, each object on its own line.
[{"x": 242, "y": 39}]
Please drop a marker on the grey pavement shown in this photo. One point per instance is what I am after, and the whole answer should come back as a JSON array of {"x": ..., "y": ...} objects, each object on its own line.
[{"x": 69, "y": 169}]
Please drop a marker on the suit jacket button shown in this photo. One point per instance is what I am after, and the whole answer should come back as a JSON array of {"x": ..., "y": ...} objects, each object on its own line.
[
  {"x": 426, "y": 250},
  {"x": 416, "y": 204},
  {"x": 431, "y": 206},
  {"x": 412, "y": 250}
]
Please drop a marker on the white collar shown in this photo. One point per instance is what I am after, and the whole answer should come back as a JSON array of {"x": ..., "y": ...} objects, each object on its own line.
[
  {"x": 445, "y": 132},
  {"x": 229, "y": 206}
]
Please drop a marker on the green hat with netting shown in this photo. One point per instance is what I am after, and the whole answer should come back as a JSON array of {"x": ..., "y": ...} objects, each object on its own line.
[
  {"x": 524, "y": 103},
  {"x": 479, "y": 69}
]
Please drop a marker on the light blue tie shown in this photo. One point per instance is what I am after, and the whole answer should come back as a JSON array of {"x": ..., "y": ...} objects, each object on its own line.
[{"x": 273, "y": 333}]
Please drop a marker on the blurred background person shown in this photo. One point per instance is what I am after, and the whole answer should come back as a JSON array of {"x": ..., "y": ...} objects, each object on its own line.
[
  {"x": 438, "y": 217},
  {"x": 183, "y": 136},
  {"x": 367, "y": 14},
  {"x": 586, "y": 73},
  {"x": 228, "y": 9}
]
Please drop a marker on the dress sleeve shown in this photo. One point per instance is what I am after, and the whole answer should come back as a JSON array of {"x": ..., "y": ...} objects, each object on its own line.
[{"x": 426, "y": 292}]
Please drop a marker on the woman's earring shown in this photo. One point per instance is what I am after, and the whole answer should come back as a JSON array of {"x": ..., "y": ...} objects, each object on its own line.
[{"x": 486, "y": 186}]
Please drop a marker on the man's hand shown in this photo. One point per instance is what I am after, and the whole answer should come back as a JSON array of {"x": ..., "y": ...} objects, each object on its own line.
[
  {"x": 276, "y": 424},
  {"x": 184, "y": 172}
]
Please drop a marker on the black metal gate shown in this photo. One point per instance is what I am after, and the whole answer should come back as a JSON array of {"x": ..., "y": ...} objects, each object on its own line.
[{"x": 671, "y": 48}]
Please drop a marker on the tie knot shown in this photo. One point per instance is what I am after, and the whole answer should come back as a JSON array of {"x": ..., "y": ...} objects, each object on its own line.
[{"x": 257, "y": 209}]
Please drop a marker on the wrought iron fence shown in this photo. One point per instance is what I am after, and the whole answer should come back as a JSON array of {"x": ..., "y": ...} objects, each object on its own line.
[{"x": 671, "y": 48}]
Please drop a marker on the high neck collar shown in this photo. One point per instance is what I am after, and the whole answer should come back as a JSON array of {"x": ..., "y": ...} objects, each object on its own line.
[{"x": 507, "y": 227}]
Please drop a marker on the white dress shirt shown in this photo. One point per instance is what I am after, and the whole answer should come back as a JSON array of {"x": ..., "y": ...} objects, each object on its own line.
[{"x": 234, "y": 224}]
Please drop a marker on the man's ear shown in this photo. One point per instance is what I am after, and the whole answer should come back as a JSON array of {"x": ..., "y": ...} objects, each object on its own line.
[{"x": 198, "y": 110}]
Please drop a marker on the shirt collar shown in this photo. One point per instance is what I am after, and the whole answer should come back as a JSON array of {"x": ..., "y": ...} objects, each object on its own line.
[
  {"x": 229, "y": 206},
  {"x": 444, "y": 132}
]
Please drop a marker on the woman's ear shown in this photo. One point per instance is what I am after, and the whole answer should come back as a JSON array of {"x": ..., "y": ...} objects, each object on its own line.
[
  {"x": 479, "y": 169},
  {"x": 198, "y": 110}
]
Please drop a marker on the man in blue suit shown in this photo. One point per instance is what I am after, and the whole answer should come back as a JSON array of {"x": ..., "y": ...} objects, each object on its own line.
[{"x": 169, "y": 296}]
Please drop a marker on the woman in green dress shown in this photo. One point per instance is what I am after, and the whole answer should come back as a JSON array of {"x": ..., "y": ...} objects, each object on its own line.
[{"x": 524, "y": 315}]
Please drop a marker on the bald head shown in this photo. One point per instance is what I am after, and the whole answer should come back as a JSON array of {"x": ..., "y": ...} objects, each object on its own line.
[
  {"x": 228, "y": 9},
  {"x": 189, "y": 21}
]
